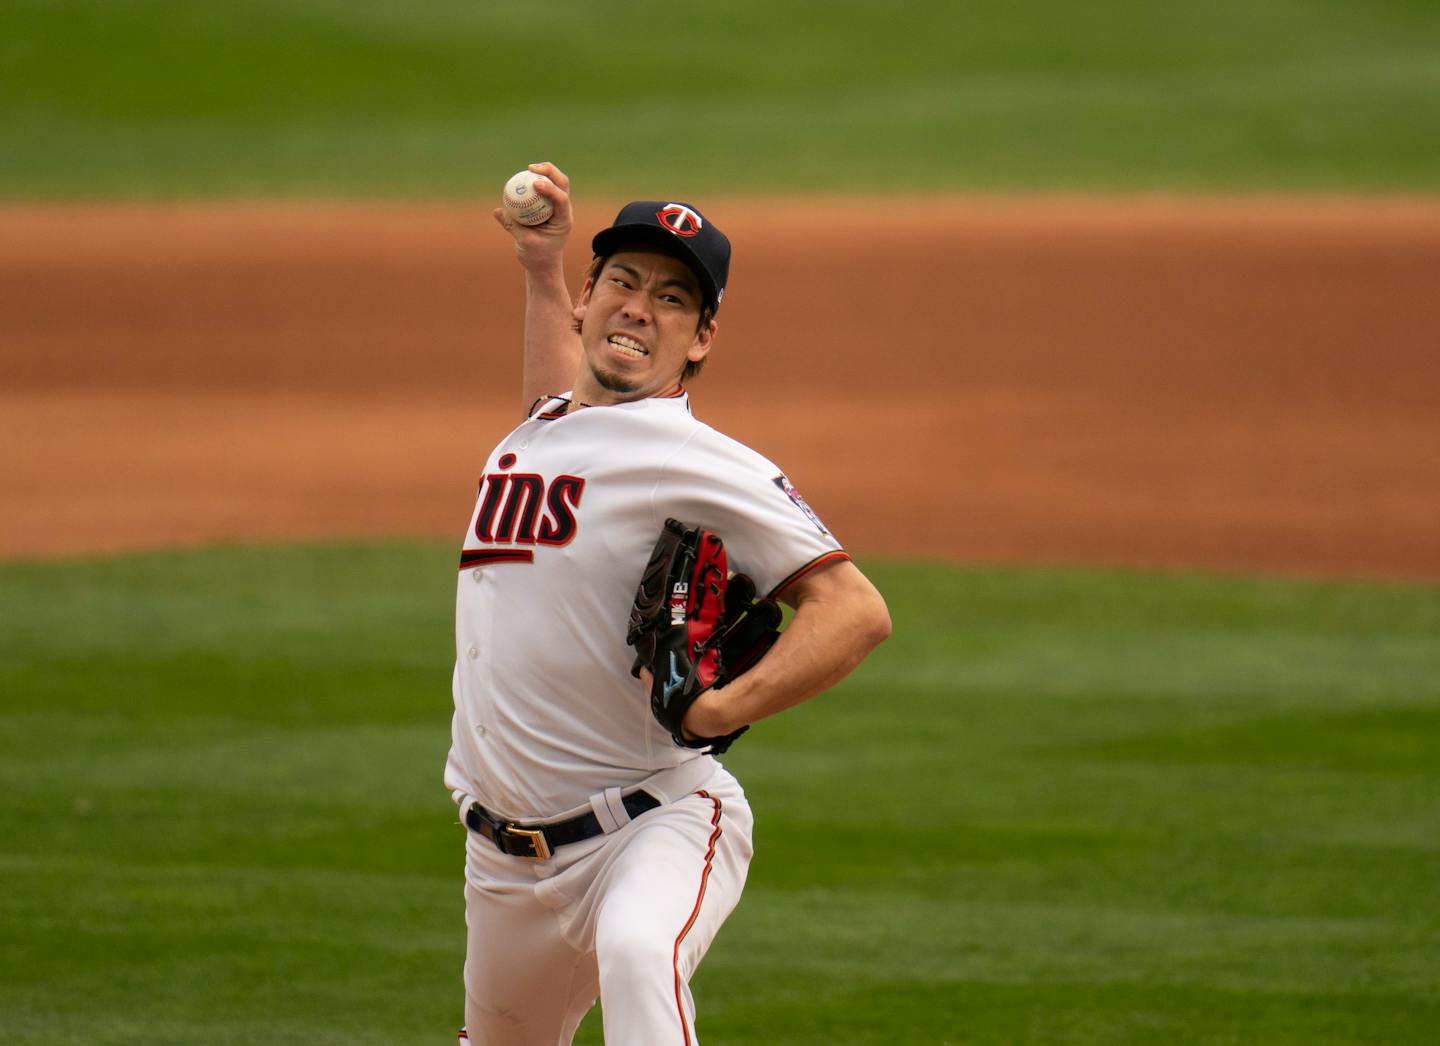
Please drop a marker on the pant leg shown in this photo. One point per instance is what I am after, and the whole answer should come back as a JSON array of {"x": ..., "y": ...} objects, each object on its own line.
[
  {"x": 665, "y": 897},
  {"x": 524, "y": 984}
]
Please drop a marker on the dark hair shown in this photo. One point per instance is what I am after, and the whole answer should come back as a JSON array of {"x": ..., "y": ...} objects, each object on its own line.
[{"x": 707, "y": 314}]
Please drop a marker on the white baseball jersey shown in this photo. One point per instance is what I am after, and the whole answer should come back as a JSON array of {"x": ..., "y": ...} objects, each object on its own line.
[{"x": 568, "y": 511}]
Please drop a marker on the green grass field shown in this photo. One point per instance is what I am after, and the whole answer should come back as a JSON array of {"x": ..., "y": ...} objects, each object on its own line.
[
  {"x": 1057, "y": 807},
  {"x": 324, "y": 97}
]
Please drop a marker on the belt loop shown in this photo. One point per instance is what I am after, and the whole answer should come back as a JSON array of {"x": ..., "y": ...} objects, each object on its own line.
[
  {"x": 618, "y": 813},
  {"x": 601, "y": 808},
  {"x": 676, "y": 782}
]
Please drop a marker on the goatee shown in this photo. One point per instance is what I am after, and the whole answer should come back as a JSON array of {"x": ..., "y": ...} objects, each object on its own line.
[{"x": 612, "y": 382}]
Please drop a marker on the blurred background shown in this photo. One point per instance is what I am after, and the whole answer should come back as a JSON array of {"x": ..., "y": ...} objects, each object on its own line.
[
  {"x": 434, "y": 97},
  {"x": 1106, "y": 337}
]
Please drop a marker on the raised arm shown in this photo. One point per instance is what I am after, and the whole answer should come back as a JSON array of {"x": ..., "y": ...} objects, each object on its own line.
[
  {"x": 552, "y": 349},
  {"x": 839, "y": 618}
]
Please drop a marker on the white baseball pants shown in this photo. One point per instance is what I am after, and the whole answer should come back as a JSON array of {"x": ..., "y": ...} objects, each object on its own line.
[{"x": 626, "y": 917}]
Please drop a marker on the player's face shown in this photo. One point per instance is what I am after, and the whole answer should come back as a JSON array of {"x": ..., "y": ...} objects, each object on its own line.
[{"x": 638, "y": 323}]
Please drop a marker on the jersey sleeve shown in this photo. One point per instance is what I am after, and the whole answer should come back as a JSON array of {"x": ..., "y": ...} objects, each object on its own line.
[{"x": 769, "y": 530}]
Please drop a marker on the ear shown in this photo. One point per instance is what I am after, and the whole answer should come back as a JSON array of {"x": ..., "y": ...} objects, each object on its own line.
[
  {"x": 583, "y": 304},
  {"x": 704, "y": 338}
]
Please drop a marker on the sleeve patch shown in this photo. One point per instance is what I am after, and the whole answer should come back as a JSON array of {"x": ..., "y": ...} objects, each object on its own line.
[{"x": 800, "y": 503}]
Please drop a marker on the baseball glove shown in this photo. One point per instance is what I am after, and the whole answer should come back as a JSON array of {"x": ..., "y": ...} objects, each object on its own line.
[{"x": 695, "y": 626}]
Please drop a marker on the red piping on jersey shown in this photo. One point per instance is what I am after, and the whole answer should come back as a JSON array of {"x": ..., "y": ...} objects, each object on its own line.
[
  {"x": 818, "y": 561},
  {"x": 695, "y": 913},
  {"x": 479, "y": 557}
]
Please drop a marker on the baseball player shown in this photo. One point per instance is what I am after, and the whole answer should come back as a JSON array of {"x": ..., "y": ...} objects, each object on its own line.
[{"x": 602, "y": 856}]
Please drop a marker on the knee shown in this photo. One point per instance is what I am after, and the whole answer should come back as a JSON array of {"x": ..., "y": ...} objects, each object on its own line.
[{"x": 630, "y": 949}]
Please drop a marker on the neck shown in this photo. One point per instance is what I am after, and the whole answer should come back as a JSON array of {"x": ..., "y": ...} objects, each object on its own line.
[{"x": 590, "y": 393}]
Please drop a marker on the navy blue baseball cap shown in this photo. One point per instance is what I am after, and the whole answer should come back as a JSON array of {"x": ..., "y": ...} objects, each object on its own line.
[{"x": 678, "y": 229}]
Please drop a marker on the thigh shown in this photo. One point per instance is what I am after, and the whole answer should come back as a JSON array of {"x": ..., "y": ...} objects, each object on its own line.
[
  {"x": 665, "y": 897},
  {"x": 682, "y": 873},
  {"x": 524, "y": 984}
]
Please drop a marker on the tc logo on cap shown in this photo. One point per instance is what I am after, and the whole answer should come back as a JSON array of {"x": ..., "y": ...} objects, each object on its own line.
[{"x": 680, "y": 220}]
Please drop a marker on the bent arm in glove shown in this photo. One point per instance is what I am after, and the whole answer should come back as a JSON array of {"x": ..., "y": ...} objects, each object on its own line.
[
  {"x": 839, "y": 618},
  {"x": 695, "y": 628}
]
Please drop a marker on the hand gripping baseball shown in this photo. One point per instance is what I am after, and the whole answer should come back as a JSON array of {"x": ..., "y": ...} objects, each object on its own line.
[
  {"x": 694, "y": 627},
  {"x": 542, "y": 244}
]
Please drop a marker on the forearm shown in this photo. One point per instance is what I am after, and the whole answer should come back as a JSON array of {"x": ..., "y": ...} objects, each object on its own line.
[
  {"x": 811, "y": 655},
  {"x": 551, "y": 354},
  {"x": 552, "y": 349}
]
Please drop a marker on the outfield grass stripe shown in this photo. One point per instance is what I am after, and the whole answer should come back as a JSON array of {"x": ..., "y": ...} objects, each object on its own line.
[{"x": 244, "y": 98}]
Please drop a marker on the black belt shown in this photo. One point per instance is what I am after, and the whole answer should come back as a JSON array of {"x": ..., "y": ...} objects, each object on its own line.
[{"x": 539, "y": 841}]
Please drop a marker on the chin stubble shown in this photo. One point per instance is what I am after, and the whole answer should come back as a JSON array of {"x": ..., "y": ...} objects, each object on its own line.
[{"x": 612, "y": 382}]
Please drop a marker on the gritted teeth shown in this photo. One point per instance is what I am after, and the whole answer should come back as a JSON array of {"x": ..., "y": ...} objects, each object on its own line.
[{"x": 628, "y": 344}]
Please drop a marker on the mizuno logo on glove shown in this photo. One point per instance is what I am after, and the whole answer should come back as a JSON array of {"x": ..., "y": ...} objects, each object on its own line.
[{"x": 674, "y": 683}]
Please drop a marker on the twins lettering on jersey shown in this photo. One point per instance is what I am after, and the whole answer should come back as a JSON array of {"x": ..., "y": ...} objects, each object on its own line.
[
  {"x": 519, "y": 510},
  {"x": 525, "y": 509},
  {"x": 522, "y": 508}
]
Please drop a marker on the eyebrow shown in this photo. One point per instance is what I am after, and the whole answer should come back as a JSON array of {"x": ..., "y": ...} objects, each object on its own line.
[{"x": 689, "y": 286}]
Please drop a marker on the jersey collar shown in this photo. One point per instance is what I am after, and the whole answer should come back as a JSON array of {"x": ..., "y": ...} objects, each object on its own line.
[{"x": 550, "y": 408}]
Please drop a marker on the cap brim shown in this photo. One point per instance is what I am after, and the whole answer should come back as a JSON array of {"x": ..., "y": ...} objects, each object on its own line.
[{"x": 608, "y": 241}]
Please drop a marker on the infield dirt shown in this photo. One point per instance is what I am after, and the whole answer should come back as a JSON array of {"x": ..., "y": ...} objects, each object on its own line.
[{"x": 1244, "y": 384}]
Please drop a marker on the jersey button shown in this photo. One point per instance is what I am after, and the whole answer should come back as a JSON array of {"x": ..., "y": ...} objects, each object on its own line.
[
  {"x": 477, "y": 575},
  {"x": 474, "y": 652},
  {"x": 480, "y": 729}
]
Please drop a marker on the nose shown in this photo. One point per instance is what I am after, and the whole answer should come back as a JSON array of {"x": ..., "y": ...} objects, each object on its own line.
[{"x": 637, "y": 307}]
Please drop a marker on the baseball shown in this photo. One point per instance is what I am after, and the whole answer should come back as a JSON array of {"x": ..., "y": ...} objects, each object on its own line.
[{"x": 523, "y": 203}]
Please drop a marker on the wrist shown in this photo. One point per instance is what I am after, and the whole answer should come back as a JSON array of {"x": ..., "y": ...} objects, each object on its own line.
[
  {"x": 712, "y": 715},
  {"x": 544, "y": 267}
]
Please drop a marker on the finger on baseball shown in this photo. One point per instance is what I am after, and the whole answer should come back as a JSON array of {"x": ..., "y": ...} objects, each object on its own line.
[
  {"x": 552, "y": 191},
  {"x": 502, "y": 218},
  {"x": 555, "y": 174}
]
